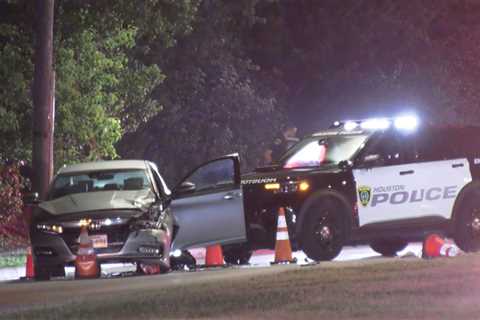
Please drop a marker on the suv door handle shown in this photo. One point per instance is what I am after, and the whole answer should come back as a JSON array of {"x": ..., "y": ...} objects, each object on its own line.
[
  {"x": 457, "y": 165},
  {"x": 402, "y": 173}
]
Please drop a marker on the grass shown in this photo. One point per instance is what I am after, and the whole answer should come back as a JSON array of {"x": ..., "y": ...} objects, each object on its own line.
[{"x": 402, "y": 289}]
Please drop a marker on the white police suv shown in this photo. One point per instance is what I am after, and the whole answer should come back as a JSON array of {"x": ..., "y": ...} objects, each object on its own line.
[{"x": 383, "y": 182}]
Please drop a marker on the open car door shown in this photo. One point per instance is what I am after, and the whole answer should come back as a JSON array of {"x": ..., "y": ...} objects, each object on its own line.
[{"x": 208, "y": 205}]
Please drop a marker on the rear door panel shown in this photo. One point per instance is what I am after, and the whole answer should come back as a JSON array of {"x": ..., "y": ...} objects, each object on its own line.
[{"x": 410, "y": 191}]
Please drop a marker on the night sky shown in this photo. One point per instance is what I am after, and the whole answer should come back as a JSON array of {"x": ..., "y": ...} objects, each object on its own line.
[{"x": 358, "y": 59}]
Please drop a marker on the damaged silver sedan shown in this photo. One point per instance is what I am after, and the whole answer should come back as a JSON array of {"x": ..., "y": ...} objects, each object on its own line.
[{"x": 123, "y": 204}]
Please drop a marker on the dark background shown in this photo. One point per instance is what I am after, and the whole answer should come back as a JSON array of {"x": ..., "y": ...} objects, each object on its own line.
[{"x": 236, "y": 72}]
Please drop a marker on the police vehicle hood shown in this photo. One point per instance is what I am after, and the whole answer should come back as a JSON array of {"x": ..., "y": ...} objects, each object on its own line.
[{"x": 277, "y": 173}]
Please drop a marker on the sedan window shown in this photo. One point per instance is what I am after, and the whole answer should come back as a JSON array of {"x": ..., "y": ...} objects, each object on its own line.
[
  {"x": 213, "y": 175},
  {"x": 105, "y": 180}
]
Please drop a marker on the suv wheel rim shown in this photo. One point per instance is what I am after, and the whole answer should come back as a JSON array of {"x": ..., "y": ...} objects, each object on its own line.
[
  {"x": 475, "y": 224},
  {"x": 325, "y": 232}
]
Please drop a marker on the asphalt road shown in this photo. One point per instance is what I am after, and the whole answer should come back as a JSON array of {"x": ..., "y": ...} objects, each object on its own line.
[{"x": 17, "y": 295}]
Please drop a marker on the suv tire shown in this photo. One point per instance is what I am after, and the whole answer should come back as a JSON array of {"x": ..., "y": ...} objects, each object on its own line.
[
  {"x": 324, "y": 229},
  {"x": 237, "y": 255},
  {"x": 388, "y": 247},
  {"x": 467, "y": 223}
]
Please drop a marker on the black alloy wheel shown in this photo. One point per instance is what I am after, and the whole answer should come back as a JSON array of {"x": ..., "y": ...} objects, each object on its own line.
[
  {"x": 324, "y": 230},
  {"x": 467, "y": 233},
  {"x": 237, "y": 255}
]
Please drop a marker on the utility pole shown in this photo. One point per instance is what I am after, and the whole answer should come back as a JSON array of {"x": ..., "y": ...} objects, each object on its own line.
[{"x": 43, "y": 98}]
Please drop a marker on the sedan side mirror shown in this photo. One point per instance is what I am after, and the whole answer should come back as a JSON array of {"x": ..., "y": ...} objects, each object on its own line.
[
  {"x": 185, "y": 188},
  {"x": 31, "y": 198}
]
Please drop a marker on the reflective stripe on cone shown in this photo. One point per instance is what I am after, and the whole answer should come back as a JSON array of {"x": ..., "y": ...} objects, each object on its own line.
[{"x": 283, "y": 249}]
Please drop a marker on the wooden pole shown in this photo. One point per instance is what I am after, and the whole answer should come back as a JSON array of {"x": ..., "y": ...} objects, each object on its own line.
[{"x": 43, "y": 98}]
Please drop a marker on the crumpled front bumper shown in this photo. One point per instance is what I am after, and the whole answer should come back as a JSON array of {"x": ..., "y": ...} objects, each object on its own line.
[{"x": 145, "y": 245}]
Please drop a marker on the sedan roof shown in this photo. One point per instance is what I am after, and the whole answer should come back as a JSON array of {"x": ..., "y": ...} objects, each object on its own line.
[{"x": 104, "y": 165}]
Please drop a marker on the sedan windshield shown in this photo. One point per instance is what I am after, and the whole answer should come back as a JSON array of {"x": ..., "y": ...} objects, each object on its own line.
[
  {"x": 105, "y": 180},
  {"x": 327, "y": 149}
]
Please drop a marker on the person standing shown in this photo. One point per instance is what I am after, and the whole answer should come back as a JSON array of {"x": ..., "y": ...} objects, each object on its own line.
[{"x": 284, "y": 142}]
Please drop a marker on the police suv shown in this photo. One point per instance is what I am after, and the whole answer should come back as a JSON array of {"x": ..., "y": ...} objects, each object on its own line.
[{"x": 382, "y": 182}]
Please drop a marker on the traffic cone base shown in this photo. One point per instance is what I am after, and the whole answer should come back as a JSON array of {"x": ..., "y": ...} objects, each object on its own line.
[
  {"x": 283, "y": 249},
  {"x": 86, "y": 265},
  {"x": 214, "y": 256},
  {"x": 435, "y": 246}
]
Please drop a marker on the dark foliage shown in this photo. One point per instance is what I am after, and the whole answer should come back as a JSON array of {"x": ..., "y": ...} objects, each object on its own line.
[{"x": 13, "y": 229}]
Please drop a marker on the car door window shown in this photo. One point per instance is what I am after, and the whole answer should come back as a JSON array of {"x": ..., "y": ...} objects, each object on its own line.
[
  {"x": 208, "y": 205},
  {"x": 436, "y": 145},
  {"x": 214, "y": 175},
  {"x": 392, "y": 148}
]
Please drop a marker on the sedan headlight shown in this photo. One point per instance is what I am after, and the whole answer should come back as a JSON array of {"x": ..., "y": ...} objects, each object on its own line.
[{"x": 50, "y": 228}]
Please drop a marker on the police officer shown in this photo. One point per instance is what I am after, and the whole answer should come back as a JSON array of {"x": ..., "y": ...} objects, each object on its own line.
[{"x": 284, "y": 142}]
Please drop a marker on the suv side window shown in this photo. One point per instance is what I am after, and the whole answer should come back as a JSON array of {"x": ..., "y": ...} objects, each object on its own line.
[
  {"x": 436, "y": 145},
  {"x": 392, "y": 148},
  {"x": 467, "y": 142}
]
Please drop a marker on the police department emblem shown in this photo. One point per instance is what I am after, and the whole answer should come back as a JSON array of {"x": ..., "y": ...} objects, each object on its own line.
[{"x": 364, "y": 194}]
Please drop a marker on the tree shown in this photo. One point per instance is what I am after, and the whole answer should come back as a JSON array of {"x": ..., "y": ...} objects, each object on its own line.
[
  {"x": 13, "y": 228},
  {"x": 16, "y": 73},
  {"x": 103, "y": 77},
  {"x": 366, "y": 58},
  {"x": 214, "y": 100}
]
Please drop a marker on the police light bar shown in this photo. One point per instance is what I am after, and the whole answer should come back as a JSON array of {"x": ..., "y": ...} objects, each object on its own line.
[
  {"x": 409, "y": 122},
  {"x": 406, "y": 123},
  {"x": 350, "y": 125},
  {"x": 375, "y": 124}
]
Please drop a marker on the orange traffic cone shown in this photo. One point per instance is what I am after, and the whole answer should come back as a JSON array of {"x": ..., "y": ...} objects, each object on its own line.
[
  {"x": 436, "y": 246},
  {"x": 283, "y": 249},
  {"x": 214, "y": 256},
  {"x": 86, "y": 261},
  {"x": 29, "y": 270}
]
